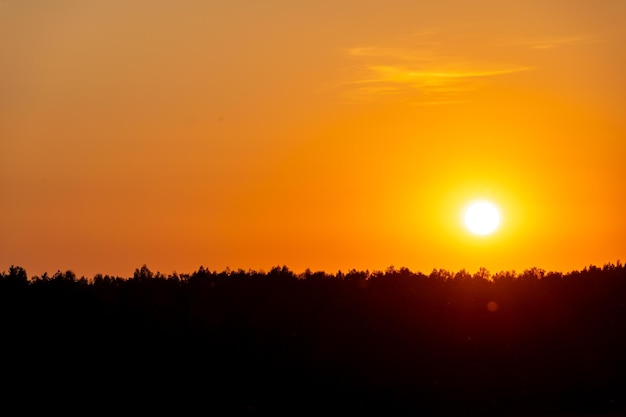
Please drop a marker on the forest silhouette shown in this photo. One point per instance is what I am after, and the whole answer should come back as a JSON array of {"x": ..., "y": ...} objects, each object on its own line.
[{"x": 391, "y": 342}]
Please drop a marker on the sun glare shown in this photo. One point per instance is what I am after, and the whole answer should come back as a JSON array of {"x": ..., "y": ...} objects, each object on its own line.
[{"x": 482, "y": 218}]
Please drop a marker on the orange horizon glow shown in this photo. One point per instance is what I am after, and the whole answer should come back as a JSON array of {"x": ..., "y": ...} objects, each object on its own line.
[{"x": 324, "y": 136}]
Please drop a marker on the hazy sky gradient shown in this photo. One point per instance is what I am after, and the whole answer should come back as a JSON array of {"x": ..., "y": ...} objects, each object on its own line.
[{"x": 322, "y": 134}]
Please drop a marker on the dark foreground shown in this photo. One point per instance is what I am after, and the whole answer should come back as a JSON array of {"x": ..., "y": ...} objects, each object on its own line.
[{"x": 392, "y": 343}]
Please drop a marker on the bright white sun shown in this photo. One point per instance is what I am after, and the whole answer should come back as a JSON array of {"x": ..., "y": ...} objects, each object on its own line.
[{"x": 482, "y": 218}]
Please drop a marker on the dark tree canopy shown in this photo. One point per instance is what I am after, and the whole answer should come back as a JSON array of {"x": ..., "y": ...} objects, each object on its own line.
[{"x": 390, "y": 342}]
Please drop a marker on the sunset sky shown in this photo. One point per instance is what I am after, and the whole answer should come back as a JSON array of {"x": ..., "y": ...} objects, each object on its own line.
[{"x": 314, "y": 134}]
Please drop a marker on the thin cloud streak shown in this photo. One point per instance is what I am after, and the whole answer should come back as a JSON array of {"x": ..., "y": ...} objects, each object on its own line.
[
  {"x": 419, "y": 73},
  {"x": 376, "y": 80},
  {"x": 391, "y": 74}
]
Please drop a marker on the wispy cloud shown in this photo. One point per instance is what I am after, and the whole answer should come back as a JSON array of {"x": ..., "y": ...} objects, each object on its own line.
[
  {"x": 395, "y": 74},
  {"x": 420, "y": 73}
]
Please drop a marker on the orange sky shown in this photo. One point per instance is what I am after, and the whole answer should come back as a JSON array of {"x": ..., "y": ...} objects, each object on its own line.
[{"x": 322, "y": 134}]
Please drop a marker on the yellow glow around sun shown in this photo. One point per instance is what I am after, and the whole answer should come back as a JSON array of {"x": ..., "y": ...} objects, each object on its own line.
[{"x": 482, "y": 218}]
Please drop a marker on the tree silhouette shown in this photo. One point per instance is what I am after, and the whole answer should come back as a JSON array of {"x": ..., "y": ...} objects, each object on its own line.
[{"x": 390, "y": 342}]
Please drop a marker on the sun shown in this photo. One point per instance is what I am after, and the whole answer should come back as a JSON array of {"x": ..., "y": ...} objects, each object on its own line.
[{"x": 482, "y": 218}]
